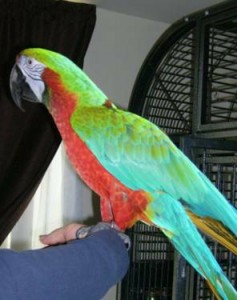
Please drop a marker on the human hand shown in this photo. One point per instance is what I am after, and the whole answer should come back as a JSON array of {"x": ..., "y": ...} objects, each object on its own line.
[{"x": 60, "y": 235}]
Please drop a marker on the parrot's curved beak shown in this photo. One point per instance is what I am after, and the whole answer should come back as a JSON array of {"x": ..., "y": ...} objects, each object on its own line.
[{"x": 20, "y": 89}]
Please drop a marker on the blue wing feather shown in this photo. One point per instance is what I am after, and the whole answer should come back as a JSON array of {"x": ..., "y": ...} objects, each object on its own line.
[{"x": 142, "y": 157}]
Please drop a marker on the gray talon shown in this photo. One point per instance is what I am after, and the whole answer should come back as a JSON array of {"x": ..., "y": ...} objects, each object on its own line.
[{"x": 86, "y": 231}]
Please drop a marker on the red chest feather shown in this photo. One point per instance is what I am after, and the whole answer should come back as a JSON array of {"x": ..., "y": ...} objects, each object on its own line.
[{"x": 118, "y": 202}]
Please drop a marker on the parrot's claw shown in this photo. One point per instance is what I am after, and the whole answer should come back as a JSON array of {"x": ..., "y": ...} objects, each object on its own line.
[
  {"x": 86, "y": 231},
  {"x": 125, "y": 238}
]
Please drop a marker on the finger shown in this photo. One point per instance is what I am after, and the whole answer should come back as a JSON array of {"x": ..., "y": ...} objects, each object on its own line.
[
  {"x": 60, "y": 235},
  {"x": 55, "y": 237}
]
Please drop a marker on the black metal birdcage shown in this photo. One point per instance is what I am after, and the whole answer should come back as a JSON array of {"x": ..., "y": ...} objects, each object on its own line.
[{"x": 187, "y": 85}]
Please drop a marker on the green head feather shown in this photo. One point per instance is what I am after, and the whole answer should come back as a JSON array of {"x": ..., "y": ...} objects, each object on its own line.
[{"x": 72, "y": 77}]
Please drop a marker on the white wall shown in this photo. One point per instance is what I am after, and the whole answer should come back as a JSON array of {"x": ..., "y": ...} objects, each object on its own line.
[{"x": 118, "y": 48}]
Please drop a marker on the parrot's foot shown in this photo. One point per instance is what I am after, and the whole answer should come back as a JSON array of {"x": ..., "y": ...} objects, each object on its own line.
[{"x": 86, "y": 231}]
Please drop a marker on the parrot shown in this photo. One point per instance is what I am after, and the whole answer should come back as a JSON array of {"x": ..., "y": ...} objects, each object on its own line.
[{"x": 134, "y": 167}]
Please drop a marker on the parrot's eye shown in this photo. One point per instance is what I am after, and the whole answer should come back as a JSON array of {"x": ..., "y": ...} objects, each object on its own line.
[
  {"x": 31, "y": 67},
  {"x": 29, "y": 61}
]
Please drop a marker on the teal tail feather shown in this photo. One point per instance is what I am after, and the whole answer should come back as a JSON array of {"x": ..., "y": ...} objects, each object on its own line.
[{"x": 169, "y": 215}]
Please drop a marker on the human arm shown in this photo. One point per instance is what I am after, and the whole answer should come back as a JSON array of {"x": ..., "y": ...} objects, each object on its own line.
[{"x": 81, "y": 269}]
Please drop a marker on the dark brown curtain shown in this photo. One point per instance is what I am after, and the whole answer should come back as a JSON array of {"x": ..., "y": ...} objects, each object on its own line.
[{"x": 29, "y": 140}]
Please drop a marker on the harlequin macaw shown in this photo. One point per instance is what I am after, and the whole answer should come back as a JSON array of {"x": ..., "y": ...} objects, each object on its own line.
[{"x": 130, "y": 163}]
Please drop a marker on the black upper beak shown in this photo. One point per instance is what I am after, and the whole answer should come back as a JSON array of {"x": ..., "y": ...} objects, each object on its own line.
[{"x": 20, "y": 89}]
